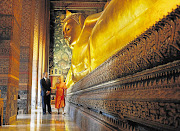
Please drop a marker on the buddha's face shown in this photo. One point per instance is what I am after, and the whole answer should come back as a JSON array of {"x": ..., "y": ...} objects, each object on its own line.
[{"x": 71, "y": 31}]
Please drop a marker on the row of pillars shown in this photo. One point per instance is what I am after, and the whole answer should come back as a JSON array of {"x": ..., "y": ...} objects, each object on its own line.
[{"x": 24, "y": 40}]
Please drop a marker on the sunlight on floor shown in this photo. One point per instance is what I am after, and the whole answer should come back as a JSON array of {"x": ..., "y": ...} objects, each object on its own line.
[{"x": 36, "y": 121}]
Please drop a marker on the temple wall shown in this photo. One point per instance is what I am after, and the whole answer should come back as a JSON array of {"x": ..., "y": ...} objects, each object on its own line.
[
  {"x": 59, "y": 52},
  {"x": 10, "y": 18},
  {"x": 135, "y": 89}
]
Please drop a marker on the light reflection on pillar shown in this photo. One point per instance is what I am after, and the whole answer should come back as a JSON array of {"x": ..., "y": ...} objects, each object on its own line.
[
  {"x": 34, "y": 68},
  {"x": 39, "y": 71}
]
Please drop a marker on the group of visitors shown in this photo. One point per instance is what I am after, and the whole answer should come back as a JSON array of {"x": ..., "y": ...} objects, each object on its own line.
[{"x": 60, "y": 88}]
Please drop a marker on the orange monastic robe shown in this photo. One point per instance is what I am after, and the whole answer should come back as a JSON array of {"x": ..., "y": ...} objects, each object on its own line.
[{"x": 60, "y": 101}]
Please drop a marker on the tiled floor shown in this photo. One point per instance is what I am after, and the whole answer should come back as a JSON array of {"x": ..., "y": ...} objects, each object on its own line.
[{"x": 38, "y": 122}]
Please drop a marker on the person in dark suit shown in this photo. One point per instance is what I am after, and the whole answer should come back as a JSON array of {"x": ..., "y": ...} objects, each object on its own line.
[{"x": 45, "y": 93}]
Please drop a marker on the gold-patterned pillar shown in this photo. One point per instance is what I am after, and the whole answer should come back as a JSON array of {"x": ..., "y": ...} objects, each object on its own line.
[
  {"x": 10, "y": 29},
  {"x": 43, "y": 44},
  {"x": 26, "y": 43}
]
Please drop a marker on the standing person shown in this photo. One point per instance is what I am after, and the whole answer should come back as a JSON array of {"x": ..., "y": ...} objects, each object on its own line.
[
  {"x": 60, "y": 94},
  {"x": 46, "y": 93}
]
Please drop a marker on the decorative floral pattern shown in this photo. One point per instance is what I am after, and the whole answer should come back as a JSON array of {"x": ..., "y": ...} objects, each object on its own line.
[{"x": 59, "y": 54}]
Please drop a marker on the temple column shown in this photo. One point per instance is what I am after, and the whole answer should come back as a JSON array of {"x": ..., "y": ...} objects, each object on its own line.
[
  {"x": 26, "y": 43},
  {"x": 10, "y": 28},
  {"x": 39, "y": 49}
]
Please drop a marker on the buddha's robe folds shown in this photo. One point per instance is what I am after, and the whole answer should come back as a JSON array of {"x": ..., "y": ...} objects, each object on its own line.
[
  {"x": 121, "y": 22},
  {"x": 69, "y": 80},
  {"x": 80, "y": 59}
]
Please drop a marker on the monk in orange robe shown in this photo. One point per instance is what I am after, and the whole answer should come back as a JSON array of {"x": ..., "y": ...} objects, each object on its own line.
[{"x": 60, "y": 87}]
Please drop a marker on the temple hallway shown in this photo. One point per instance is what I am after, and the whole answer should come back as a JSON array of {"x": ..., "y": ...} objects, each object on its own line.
[{"x": 36, "y": 121}]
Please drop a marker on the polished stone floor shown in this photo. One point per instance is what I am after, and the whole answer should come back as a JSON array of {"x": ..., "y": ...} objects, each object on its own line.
[{"x": 36, "y": 121}]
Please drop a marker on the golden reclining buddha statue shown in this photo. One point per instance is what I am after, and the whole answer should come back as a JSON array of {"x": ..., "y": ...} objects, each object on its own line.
[{"x": 96, "y": 38}]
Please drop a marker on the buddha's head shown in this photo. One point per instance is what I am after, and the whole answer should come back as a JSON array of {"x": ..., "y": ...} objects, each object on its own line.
[{"x": 72, "y": 27}]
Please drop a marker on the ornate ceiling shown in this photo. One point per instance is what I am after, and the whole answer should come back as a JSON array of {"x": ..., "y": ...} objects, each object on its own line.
[{"x": 75, "y": 5}]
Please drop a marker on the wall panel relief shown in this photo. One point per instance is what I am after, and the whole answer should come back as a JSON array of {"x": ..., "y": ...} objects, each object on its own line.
[{"x": 138, "y": 87}]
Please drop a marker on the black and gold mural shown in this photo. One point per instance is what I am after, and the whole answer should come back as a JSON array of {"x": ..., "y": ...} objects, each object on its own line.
[{"x": 59, "y": 52}]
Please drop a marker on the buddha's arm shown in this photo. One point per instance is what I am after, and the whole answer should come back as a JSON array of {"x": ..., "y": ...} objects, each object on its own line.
[
  {"x": 81, "y": 58},
  {"x": 87, "y": 28},
  {"x": 69, "y": 81},
  {"x": 91, "y": 20},
  {"x": 76, "y": 76},
  {"x": 79, "y": 72},
  {"x": 80, "y": 62}
]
